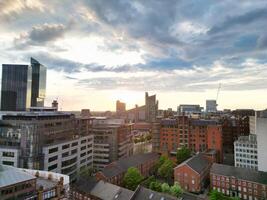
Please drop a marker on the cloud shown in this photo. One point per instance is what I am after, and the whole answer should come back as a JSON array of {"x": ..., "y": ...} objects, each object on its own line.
[{"x": 244, "y": 19}]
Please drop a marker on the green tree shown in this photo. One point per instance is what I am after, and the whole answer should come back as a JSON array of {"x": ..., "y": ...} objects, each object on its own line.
[
  {"x": 132, "y": 178},
  {"x": 149, "y": 180},
  {"x": 166, "y": 169},
  {"x": 215, "y": 195},
  {"x": 183, "y": 154},
  {"x": 165, "y": 188},
  {"x": 86, "y": 172},
  {"x": 156, "y": 186},
  {"x": 176, "y": 190}
]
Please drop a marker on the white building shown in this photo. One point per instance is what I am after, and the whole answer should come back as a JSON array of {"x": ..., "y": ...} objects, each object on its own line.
[
  {"x": 9, "y": 156},
  {"x": 211, "y": 106},
  {"x": 261, "y": 132},
  {"x": 70, "y": 156},
  {"x": 246, "y": 154}
]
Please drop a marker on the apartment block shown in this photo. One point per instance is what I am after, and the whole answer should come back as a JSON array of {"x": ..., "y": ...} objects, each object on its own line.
[
  {"x": 246, "y": 152},
  {"x": 238, "y": 182}
]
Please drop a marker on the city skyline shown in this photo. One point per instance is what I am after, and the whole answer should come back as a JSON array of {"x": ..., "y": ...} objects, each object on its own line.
[{"x": 181, "y": 51}]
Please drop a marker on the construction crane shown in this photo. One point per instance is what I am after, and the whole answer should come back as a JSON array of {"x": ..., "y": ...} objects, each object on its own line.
[{"x": 218, "y": 91}]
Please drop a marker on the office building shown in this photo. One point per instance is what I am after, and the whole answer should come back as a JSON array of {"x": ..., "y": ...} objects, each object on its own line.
[
  {"x": 211, "y": 106},
  {"x": 27, "y": 184},
  {"x": 246, "y": 153},
  {"x": 112, "y": 140},
  {"x": 187, "y": 109},
  {"x": 38, "y": 87},
  {"x": 238, "y": 182},
  {"x": 16, "y": 87}
]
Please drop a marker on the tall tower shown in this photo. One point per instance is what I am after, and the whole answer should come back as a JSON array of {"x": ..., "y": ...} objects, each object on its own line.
[
  {"x": 38, "y": 83},
  {"x": 16, "y": 87},
  {"x": 151, "y": 107}
]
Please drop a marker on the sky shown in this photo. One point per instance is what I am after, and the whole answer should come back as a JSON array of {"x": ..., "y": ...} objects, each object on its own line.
[{"x": 98, "y": 51}]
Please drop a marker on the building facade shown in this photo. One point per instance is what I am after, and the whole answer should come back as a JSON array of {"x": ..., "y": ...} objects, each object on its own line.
[
  {"x": 211, "y": 106},
  {"x": 246, "y": 152},
  {"x": 238, "y": 182},
  {"x": 38, "y": 86},
  {"x": 151, "y": 105},
  {"x": 16, "y": 87}
]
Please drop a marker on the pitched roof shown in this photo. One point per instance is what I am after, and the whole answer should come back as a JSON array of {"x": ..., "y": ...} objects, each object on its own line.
[
  {"x": 240, "y": 173},
  {"x": 11, "y": 175},
  {"x": 142, "y": 193},
  {"x": 198, "y": 163},
  {"x": 123, "y": 164}
]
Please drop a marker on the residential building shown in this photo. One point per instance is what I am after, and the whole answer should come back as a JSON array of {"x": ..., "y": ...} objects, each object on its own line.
[
  {"x": 211, "y": 106},
  {"x": 112, "y": 140},
  {"x": 238, "y": 182},
  {"x": 26, "y": 184},
  {"x": 174, "y": 133},
  {"x": 85, "y": 189},
  {"x": 156, "y": 137},
  {"x": 38, "y": 86},
  {"x": 114, "y": 172},
  {"x": 193, "y": 174},
  {"x": 189, "y": 109},
  {"x": 246, "y": 152},
  {"x": 16, "y": 83}
]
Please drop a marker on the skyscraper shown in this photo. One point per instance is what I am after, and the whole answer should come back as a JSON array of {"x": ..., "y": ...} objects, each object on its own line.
[
  {"x": 151, "y": 108},
  {"x": 16, "y": 87},
  {"x": 38, "y": 83}
]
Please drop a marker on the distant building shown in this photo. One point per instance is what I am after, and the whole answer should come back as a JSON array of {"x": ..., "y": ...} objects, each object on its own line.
[
  {"x": 55, "y": 104},
  {"x": 187, "y": 109},
  {"x": 211, "y": 106},
  {"x": 120, "y": 108},
  {"x": 114, "y": 172},
  {"x": 151, "y": 104},
  {"x": 16, "y": 87},
  {"x": 246, "y": 152},
  {"x": 238, "y": 182},
  {"x": 18, "y": 183},
  {"x": 38, "y": 83},
  {"x": 193, "y": 174},
  {"x": 85, "y": 113}
]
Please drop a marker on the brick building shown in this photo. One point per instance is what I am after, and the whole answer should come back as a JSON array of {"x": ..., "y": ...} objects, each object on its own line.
[
  {"x": 193, "y": 173},
  {"x": 239, "y": 182},
  {"x": 114, "y": 172}
]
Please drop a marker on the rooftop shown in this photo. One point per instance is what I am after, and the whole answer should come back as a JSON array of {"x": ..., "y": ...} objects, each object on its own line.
[
  {"x": 11, "y": 175},
  {"x": 202, "y": 122},
  {"x": 198, "y": 163},
  {"x": 123, "y": 164},
  {"x": 240, "y": 173}
]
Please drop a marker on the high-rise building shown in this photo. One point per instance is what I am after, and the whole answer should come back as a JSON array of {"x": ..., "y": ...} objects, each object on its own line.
[
  {"x": 211, "y": 106},
  {"x": 38, "y": 83},
  {"x": 16, "y": 87},
  {"x": 151, "y": 108},
  {"x": 187, "y": 109},
  {"x": 120, "y": 108}
]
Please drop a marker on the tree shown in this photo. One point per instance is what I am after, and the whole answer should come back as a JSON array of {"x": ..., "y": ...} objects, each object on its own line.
[
  {"x": 149, "y": 180},
  {"x": 165, "y": 188},
  {"x": 182, "y": 154},
  {"x": 176, "y": 190},
  {"x": 166, "y": 169},
  {"x": 156, "y": 186},
  {"x": 87, "y": 172},
  {"x": 215, "y": 195},
  {"x": 132, "y": 178}
]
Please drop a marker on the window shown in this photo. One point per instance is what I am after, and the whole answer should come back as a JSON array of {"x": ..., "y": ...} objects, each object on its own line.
[
  {"x": 65, "y": 154},
  {"x": 65, "y": 146},
  {"x": 53, "y": 150},
  {"x": 52, "y": 159},
  {"x": 73, "y": 151},
  {"x": 8, "y": 154},
  {"x": 52, "y": 167},
  {"x": 8, "y": 163},
  {"x": 74, "y": 144}
]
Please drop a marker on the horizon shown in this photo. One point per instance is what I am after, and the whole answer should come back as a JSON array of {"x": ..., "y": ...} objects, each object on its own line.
[{"x": 97, "y": 52}]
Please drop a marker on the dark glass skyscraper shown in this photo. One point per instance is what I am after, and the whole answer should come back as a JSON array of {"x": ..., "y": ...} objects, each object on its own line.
[
  {"x": 16, "y": 87},
  {"x": 38, "y": 83}
]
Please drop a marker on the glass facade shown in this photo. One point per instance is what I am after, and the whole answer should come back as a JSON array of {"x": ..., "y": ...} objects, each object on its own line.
[
  {"x": 16, "y": 87},
  {"x": 38, "y": 83}
]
